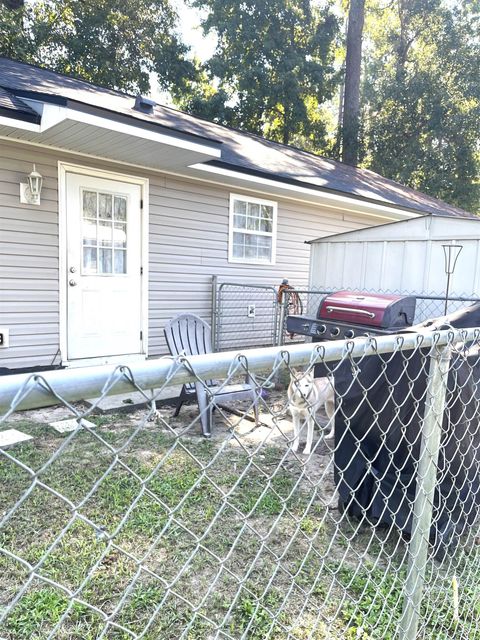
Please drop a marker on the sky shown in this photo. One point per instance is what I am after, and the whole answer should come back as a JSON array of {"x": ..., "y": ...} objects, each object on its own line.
[{"x": 191, "y": 33}]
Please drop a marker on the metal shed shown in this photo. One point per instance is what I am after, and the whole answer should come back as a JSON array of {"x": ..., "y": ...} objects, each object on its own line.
[{"x": 404, "y": 257}]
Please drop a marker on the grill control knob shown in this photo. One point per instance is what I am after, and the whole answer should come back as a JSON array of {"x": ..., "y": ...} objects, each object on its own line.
[
  {"x": 335, "y": 331},
  {"x": 321, "y": 328},
  {"x": 349, "y": 334}
]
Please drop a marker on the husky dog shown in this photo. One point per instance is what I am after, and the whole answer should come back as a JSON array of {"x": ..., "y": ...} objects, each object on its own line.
[{"x": 307, "y": 396}]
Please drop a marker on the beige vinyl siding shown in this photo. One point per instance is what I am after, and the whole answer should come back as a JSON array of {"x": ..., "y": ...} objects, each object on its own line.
[
  {"x": 188, "y": 244},
  {"x": 29, "y": 301}
]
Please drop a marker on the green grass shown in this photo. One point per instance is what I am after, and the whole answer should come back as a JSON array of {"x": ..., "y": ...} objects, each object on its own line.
[{"x": 161, "y": 547}]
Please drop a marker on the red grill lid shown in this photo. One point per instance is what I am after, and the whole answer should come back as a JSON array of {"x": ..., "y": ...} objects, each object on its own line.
[{"x": 375, "y": 310}]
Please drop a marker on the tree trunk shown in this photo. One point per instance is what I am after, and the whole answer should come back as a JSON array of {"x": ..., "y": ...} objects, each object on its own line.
[{"x": 353, "y": 62}]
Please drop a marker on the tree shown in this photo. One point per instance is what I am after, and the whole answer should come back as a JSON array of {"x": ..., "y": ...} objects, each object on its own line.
[
  {"x": 422, "y": 94},
  {"x": 353, "y": 65},
  {"x": 114, "y": 43},
  {"x": 273, "y": 68}
]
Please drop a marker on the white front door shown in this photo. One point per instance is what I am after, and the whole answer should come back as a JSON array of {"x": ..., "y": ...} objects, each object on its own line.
[{"x": 104, "y": 260}]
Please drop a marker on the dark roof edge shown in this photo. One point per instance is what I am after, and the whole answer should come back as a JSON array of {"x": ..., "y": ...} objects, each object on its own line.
[
  {"x": 17, "y": 114},
  {"x": 114, "y": 115},
  {"x": 316, "y": 187}
]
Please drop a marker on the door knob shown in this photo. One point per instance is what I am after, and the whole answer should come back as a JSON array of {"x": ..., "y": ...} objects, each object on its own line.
[{"x": 72, "y": 283}]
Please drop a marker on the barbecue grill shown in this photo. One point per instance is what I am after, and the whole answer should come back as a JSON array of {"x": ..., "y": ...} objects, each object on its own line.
[{"x": 349, "y": 314}]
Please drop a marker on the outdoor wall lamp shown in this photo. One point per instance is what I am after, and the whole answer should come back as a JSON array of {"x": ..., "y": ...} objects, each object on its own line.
[
  {"x": 451, "y": 253},
  {"x": 30, "y": 191}
]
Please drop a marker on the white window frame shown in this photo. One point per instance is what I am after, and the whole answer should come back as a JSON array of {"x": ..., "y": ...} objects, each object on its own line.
[{"x": 272, "y": 234}]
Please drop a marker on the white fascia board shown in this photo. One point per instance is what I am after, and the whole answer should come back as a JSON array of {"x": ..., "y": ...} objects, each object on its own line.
[
  {"x": 139, "y": 132},
  {"x": 333, "y": 200},
  {"x": 14, "y": 123},
  {"x": 53, "y": 114}
]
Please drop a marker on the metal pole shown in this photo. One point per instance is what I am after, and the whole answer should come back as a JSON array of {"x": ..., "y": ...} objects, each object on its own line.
[
  {"x": 214, "y": 312},
  {"x": 89, "y": 382},
  {"x": 446, "y": 293},
  {"x": 426, "y": 479},
  {"x": 282, "y": 315}
]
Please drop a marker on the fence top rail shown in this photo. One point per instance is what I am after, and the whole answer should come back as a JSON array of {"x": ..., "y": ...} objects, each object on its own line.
[
  {"x": 29, "y": 391},
  {"x": 422, "y": 296},
  {"x": 247, "y": 286}
]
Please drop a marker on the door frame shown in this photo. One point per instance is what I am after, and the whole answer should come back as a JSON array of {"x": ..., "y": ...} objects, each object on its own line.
[{"x": 63, "y": 169}]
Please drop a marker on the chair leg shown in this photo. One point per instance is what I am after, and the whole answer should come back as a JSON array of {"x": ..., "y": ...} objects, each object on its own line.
[
  {"x": 255, "y": 396},
  {"x": 180, "y": 400},
  {"x": 205, "y": 409}
]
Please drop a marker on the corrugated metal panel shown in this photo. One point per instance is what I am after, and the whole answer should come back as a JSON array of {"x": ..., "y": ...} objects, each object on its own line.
[{"x": 404, "y": 256}]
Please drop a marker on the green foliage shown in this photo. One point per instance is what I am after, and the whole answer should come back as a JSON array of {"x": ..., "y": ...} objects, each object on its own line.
[
  {"x": 422, "y": 98},
  {"x": 273, "y": 67},
  {"x": 113, "y": 43}
]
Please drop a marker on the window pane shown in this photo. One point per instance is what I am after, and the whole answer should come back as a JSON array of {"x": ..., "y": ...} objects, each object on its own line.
[
  {"x": 120, "y": 235},
  {"x": 120, "y": 205},
  {"x": 239, "y": 222},
  {"x": 253, "y": 209},
  {"x": 238, "y": 245},
  {"x": 105, "y": 206},
  {"x": 90, "y": 259},
  {"x": 264, "y": 254},
  {"x": 267, "y": 217},
  {"x": 120, "y": 261},
  {"x": 89, "y": 232},
  {"x": 105, "y": 234},
  {"x": 105, "y": 261},
  {"x": 89, "y": 204},
  {"x": 253, "y": 224},
  {"x": 240, "y": 207}
]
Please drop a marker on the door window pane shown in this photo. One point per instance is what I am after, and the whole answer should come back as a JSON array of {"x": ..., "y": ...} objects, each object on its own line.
[
  {"x": 120, "y": 235},
  {"x": 104, "y": 261},
  {"x": 89, "y": 232},
  {"x": 105, "y": 234},
  {"x": 105, "y": 206},
  {"x": 120, "y": 261},
  {"x": 90, "y": 259},
  {"x": 89, "y": 204},
  {"x": 120, "y": 208}
]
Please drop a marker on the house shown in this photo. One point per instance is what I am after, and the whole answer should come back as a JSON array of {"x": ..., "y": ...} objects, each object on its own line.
[{"x": 140, "y": 205}]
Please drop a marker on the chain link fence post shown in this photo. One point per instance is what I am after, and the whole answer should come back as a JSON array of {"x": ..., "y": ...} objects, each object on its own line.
[
  {"x": 214, "y": 312},
  {"x": 424, "y": 497},
  {"x": 282, "y": 316}
]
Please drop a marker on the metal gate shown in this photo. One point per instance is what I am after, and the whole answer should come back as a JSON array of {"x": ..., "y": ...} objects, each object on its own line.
[{"x": 243, "y": 315}]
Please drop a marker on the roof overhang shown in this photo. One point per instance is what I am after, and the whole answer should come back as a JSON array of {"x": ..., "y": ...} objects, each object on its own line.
[
  {"x": 274, "y": 186},
  {"x": 75, "y": 129}
]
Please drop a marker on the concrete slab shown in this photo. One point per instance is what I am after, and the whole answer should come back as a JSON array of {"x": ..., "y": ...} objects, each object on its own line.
[
  {"x": 65, "y": 426},
  {"x": 135, "y": 400},
  {"x": 10, "y": 437}
]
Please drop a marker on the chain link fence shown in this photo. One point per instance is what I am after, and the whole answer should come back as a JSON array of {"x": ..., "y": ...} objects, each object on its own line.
[
  {"x": 243, "y": 315},
  {"x": 308, "y": 301},
  {"x": 133, "y": 526}
]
